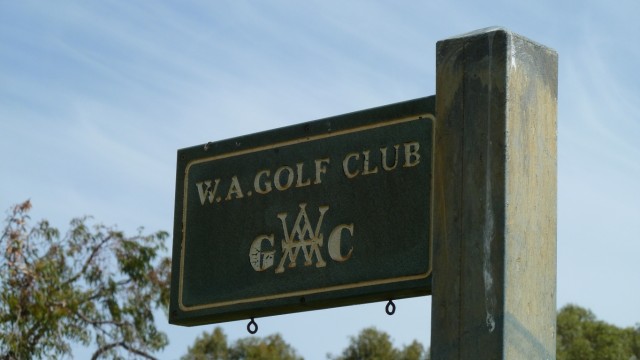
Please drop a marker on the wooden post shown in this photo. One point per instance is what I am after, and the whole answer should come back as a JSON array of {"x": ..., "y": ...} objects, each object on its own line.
[{"x": 494, "y": 262}]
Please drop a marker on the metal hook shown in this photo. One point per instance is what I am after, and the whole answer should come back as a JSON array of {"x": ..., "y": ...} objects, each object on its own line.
[
  {"x": 252, "y": 327},
  {"x": 390, "y": 308}
]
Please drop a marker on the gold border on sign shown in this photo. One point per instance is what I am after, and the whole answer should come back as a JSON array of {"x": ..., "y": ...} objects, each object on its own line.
[{"x": 309, "y": 291}]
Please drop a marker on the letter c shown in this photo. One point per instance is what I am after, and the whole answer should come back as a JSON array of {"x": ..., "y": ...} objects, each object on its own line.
[
  {"x": 334, "y": 243},
  {"x": 345, "y": 165}
]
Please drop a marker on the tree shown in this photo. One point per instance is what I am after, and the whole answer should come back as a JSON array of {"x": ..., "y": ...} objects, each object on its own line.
[
  {"x": 268, "y": 348},
  {"x": 374, "y": 344},
  {"x": 582, "y": 337},
  {"x": 92, "y": 285},
  {"x": 415, "y": 351},
  {"x": 209, "y": 347},
  {"x": 214, "y": 346}
]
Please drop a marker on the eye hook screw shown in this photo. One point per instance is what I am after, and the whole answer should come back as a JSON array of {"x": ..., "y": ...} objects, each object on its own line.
[
  {"x": 252, "y": 327},
  {"x": 390, "y": 308}
]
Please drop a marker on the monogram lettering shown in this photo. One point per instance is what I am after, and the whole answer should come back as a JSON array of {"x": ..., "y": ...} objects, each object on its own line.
[{"x": 302, "y": 238}]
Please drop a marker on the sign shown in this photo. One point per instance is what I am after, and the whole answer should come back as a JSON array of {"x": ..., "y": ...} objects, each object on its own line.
[{"x": 326, "y": 213}]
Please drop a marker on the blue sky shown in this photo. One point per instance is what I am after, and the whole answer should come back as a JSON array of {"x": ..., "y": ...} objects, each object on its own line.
[{"x": 96, "y": 97}]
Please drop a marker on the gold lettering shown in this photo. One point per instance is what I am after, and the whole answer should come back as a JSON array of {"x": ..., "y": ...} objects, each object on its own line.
[
  {"x": 301, "y": 236},
  {"x": 299, "y": 182},
  {"x": 345, "y": 165},
  {"x": 260, "y": 259},
  {"x": 277, "y": 178},
  {"x": 334, "y": 243},
  {"x": 411, "y": 155},
  {"x": 320, "y": 169},
  {"x": 366, "y": 170},
  {"x": 207, "y": 192},
  {"x": 234, "y": 189},
  {"x": 267, "y": 183},
  {"x": 384, "y": 158}
]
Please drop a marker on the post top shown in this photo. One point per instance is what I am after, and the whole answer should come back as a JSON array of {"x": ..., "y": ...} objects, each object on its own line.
[
  {"x": 486, "y": 30},
  {"x": 490, "y": 32}
]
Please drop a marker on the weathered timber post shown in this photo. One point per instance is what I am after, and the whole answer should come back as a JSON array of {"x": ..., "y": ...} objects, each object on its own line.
[{"x": 494, "y": 260}]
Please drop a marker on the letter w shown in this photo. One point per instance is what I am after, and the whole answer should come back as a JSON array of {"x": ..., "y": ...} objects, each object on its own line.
[
  {"x": 302, "y": 236},
  {"x": 207, "y": 192}
]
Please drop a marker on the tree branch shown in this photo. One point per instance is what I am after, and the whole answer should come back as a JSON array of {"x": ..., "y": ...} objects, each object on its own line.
[
  {"x": 124, "y": 345},
  {"x": 98, "y": 323},
  {"x": 86, "y": 264},
  {"x": 103, "y": 349},
  {"x": 102, "y": 290}
]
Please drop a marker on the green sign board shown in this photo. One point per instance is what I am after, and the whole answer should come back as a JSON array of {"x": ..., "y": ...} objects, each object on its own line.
[{"x": 326, "y": 213}]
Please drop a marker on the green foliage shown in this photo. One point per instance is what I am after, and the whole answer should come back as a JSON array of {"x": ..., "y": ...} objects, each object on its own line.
[
  {"x": 214, "y": 346},
  {"x": 415, "y": 351},
  {"x": 254, "y": 348},
  {"x": 92, "y": 285},
  {"x": 582, "y": 337},
  {"x": 373, "y": 344},
  {"x": 209, "y": 347}
]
